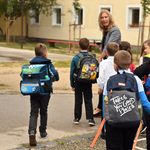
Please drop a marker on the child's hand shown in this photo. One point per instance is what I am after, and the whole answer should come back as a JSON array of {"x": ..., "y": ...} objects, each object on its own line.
[
  {"x": 73, "y": 89},
  {"x": 100, "y": 91}
]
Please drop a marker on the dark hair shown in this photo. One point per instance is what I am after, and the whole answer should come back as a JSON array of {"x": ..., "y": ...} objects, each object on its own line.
[
  {"x": 40, "y": 49},
  {"x": 84, "y": 43},
  {"x": 124, "y": 45},
  {"x": 112, "y": 48},
  {"x": 122, "y": 59}
]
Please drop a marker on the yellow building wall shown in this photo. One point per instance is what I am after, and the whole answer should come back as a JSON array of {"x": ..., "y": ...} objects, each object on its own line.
[
  {"x": 15, "y": 29},
  {"x": 119, "y": 12}
]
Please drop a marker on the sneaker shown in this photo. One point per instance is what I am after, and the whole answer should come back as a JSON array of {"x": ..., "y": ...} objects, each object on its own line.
[
  {"x": 103, "y": 135},
  {"x": 76, "y": 121},
  {"x": 144, "y": 127},
  {"x": 43, "y": 134},
  {"x": 91, "y": 122},
  {"x": 32, "y": 139}
]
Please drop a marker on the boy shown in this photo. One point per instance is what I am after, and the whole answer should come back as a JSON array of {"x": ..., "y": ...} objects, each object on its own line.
[
  {"x": 120, "y": 137},
  {"x": 106, "y": 69},
  {"x": 40, "y": 101},
  {"x": 81, "y": 88}
]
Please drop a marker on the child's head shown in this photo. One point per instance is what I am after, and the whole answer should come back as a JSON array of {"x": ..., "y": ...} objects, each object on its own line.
[
  {"x": 124, "y": 45},
  {"x": 122, "y": 59},
  {"x": 112, "y": 48},
  {"x": 84, "y": 44},
  {"x": 41, "y": 50},
  {"x": 142, "y": 51},
  {"x": 147, "y": 46}
]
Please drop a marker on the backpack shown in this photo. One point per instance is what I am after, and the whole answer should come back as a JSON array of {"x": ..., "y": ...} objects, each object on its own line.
[
  {"x": 147, "y": 85},
  {"x": 87, "y": 69},
  {"x": 35, "y": 80},
  {"x": 121, "y": 102}
]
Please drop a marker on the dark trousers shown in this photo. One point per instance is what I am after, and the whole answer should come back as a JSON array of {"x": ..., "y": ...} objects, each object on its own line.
[
  {"x": 120, "y": 138},
  {"x": 147, "y": 119},
  {"x": 83, "y": 89},
  {"x": 100, "y": 101},
  {"x": 37, "y": 103}
]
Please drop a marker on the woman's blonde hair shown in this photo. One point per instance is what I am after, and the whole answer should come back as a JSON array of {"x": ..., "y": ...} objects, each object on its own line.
[{"x": 111, "y": 21}]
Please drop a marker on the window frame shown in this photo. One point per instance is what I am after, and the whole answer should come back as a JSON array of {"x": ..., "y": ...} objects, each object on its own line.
[
  {"x": 33, "y": 19},
  {"x": 53, "y": 17},
  {"x": 104, "y": 6},
  {"x": 74, "y": 17},
  {"x": 129, "y": 16}
]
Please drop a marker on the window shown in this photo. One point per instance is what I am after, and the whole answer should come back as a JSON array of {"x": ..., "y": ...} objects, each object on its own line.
[
  {"x": 107, "y": 7},
  {"x": 57, "y": 16},
  {"x": 133, "y": 17},
  {"x": 79, "y": 19},
  {"x": 35, "y": 20}
]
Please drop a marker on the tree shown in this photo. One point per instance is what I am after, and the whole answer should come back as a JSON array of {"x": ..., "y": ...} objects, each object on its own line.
[
  {"x": 146, "y": 12},
  {"x": 12, "y": 8}
]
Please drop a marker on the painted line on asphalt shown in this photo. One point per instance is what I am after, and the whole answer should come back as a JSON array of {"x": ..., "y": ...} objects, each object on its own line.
[
  {"x": 141, "y": 139},
  {"x": 140, "y": 148}
]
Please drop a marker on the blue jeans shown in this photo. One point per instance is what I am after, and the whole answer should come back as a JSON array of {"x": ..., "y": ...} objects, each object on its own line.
[{"x": 37, "y": 103}]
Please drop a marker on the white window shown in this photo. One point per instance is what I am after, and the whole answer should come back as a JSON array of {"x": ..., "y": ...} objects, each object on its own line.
[
  {"x": 57, "y": 16},
  {"x": 36, "y": 19},
  {"x": 133, "y": 17},
  {"x": 107, "y": 7},
  {"x": 79, "y": 19}
]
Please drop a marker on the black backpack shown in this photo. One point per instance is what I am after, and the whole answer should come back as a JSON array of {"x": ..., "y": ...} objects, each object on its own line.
[
  {"x": 121, "y": 102},
  {"x": 35, "y": 79},
  {"x": 87, "y": 69}
]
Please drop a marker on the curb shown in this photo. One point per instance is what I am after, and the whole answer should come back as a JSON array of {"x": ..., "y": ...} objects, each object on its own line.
[{"x": 57, "y": 142}]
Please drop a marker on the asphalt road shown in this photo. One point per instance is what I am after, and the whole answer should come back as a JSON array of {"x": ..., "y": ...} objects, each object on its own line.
[
  {"x": 14, "y": 114},
  {"x": 13, "y": 55}
]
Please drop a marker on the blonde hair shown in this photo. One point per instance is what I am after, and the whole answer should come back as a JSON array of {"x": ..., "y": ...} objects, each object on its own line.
[
  {"x": 40, "y": 49},
  {"x": 111, "y": 21},
  {"x": 112, "y": 48},
  {"x": 122, "y": 59}
]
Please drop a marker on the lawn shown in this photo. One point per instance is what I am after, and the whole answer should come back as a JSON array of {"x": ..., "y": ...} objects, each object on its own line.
[{"x": 60, "y": 49}]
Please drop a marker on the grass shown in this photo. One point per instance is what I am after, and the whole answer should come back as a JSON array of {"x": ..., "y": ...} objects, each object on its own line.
[{"x": 59, "y": 49}]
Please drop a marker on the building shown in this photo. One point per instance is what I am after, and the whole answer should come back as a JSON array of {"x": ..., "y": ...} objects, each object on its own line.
[{"x": 127, "y": 15}]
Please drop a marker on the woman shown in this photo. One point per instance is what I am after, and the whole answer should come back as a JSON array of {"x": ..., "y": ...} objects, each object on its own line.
[{"x": 111, "y": 33}]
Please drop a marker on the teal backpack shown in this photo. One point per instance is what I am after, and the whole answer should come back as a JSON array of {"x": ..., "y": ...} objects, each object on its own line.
[{"x": 35, "y": 80}]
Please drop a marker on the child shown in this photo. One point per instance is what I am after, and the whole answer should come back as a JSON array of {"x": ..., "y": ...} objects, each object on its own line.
[
  {"x": 140, "y": 71},
  {"x": 106, "y": 69},
  {"x": 142, "y": 54},
  {"x": 146, "y": 50},
  {"x": 40, "y": 101},
  {"x": 123, "y": 45},
  {"x": 81, "y": 88},
  {"x": 121, "y": 137}
]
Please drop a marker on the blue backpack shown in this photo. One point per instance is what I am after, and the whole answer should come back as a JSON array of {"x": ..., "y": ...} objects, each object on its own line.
[
  {"x": 35, "y": 80},
  {"x": 147, "y": 85},
  {"x": 121, "y": 103}
]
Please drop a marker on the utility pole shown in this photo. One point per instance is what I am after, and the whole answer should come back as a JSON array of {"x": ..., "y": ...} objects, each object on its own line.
[{"x": 22, "y": 24}]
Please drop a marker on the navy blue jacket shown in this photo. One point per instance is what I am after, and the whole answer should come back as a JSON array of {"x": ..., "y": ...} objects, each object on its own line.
[{"x": 43, "y": 60}]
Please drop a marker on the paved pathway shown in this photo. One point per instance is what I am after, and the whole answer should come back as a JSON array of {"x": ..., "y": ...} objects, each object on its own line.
[
  {"x": 12, "y": 55},
  {"x": 14, "y": 114}
]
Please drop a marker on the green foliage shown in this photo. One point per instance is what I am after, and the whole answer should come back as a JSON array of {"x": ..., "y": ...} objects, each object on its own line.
[
  {"x": 77, "y": 6},
  {"x": 12, "y": 8},
  {"x": 146, "y": 7}
]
